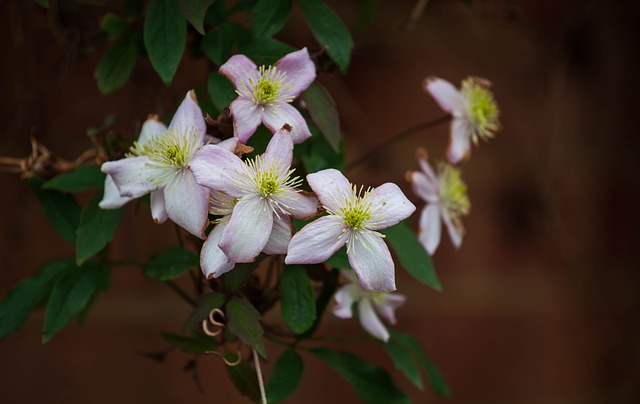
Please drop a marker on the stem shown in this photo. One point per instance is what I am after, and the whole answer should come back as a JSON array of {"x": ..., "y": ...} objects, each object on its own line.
[
  {"x": 263, "y": 395},
  {"x": 181, "y": 293},
  {"x": 401, "y": 135}
]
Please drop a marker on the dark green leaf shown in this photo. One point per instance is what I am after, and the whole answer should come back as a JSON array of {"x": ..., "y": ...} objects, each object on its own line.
[
  {"x": 194, "y": 11},
  {"x": 199, "y": 343},
  {"x": 206, "y": 303},
  {"x": 62, "y": 211},
  {"x": 26, "y": 295},
  {"x": 412, "y": 254},
  {"x": 219, "y": 42},
  {"x": 269, "y": 16},
  {"x": 324, "y": 297},
  {"x": 83, "y": 178},
  {"x": 323, "y": 111},
  {"x": 403, "y": 361},
  {"x": 319, "y": 154},
  {"x": 170, "y": 264},
  {"x": 216, "y": 14},
  {"x": 366, "y": 13},
  {"x": 329, "y": 31},
  {"x": 233, "y": 279},
  {"x": 102, "y": 285},
  {"x": 340, "y": 260},
  {"x": 243, "y": 321},
  {"x": 221, "y": 91},
  {"x": 70, "y": 296},
  {"x": 116, "y": 65},
  {"x": 372, "y": 384},
  {"x": 438, "y": 384},
  {"x": 165, "y": 37},
  {"x": 287, "y": 373},
  {"x": 96, "y": 229},
  {"x": 298, "y": 304},
  {"x": 244, "y": 377},
  {"x": 113, "y": 25},
  {"x": 265, "y": 51}
]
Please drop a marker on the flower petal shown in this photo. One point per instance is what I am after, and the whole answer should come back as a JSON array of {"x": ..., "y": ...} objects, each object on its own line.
[
  {"x": 345, "y": 297},
  {"x": 430, "y": 227},
  {"x": 151, "y": 128},
  {"x": 389, "y": 205},
  {"x": 274, "y": 117},
  {"x": 331, "y": 186},
  {"x": 370, "y": 321},
  {"x": 280, "y": 236},
  {"x": 316, "y": 242},
  {"x": 387, "y": 309},
  {"x": 212, "y": 259},
  {"x": 280, "y": 150},
  {"x": 370, "y": 258},
  {"x": 246, "y": 118},
  {"x": 158, "y": 208},
  {"x": 445, "y": 94},
  {"x": 217, "y": 168},
  {"x": 454, "y": 232},
  {"x": 426, "y": 167},
  {"x": 248, "y": 230},
  {"x": 424, "y": 188},
  {"x": 132, "y": 175},
  {"x": 301, "y": 205},
  {"x": 238, "y": 69},
  {"x": 459, "y": 144},
  {"x": 111, "y": 198},
  {"x": 188, "y": 117},
  {"x": 229, "y": 144},
  {"x": 300, "y": 69},
  {"x": 187, "y": 203}
]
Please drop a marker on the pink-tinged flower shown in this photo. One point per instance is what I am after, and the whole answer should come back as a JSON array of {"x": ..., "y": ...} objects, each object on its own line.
[
  {"x": 446, "y": 198},
  {"x": 265, "y": 93},
  {"x": 474, "y": 110},
  {"x": 354, "y": 219},
  {"x": 159, "y": 163},
  {"x": 266, "y": 194},
  {"x": 371, "y": 306}
]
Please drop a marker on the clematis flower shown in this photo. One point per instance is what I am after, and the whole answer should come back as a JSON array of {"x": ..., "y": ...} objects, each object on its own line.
[
  {"x": 371, "y": 306},
  {"x": 159, "y": 164},
  {"x": 265, "y": 93},
  {"x": 266, "y": 194},
  {"x": 474, "y": 110},
  {"x": 354, "y": 219},
  {"x": 446, "y": 198}
]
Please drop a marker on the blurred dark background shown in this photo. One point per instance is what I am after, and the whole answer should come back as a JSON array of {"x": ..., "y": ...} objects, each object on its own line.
[{"x": 541, "y": 303}]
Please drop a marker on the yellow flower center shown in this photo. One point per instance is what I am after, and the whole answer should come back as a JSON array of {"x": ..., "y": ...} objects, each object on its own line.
[
  {"x": 482, "y": 109},
  {"x": 453, "y": 192},
  {"x": 356, "y": 211},
  {"x": 269, "y": 88}
]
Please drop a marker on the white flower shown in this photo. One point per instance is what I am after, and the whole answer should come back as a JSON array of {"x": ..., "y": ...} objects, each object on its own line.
[{"x": 371, "y": 305}]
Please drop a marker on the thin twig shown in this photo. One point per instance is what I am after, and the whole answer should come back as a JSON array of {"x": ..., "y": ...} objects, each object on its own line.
[
  {"x": 181, "y": 293},
  {"x": 263, "y": 395}
]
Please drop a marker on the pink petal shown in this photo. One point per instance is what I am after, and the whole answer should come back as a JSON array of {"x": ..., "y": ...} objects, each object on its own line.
[
  {"x": 426, "y": 167},
  {"x": 238, "y": 69},
  {"x": 454, "y": 233},
  {"x": 316, "y": 242},
  {"x": 280, "y": 236},
  {"x": 217, "y": 168},
  {"x": 274, "y": 117},
  {"x": 430, "y": 228},
  {"x": 187, "y": 203},
  {"x": 387, "y": 309},
  {"x": 189, "y": 117},
  {"x": 459, "y": 144},
  {"x": 370, "y": 321},
  {"x": 332, "y": 188},
  {"x": 424, "y": 188},
  {"x": 301, "y": 205},
  {"x": 132, "y": 175},
  {"x": 370, "y": 258},
  {"x": 389, "y": 205},
  {"x": 445, "y": 94},
  {"x": 345, "y": 297},
  {"x": 300, "y": 69},
  {"x": 151, "y": 128},
  {"x": 246, "y": 118},
  {"x": 158, "y": 208},
  {"x": 248, "y": 230},
  {"x": 280, "y": 150},
  {"x": 229, "y": 144},
  {"x": 111, "y": 198},
  {"x": 212, "y": 259}
]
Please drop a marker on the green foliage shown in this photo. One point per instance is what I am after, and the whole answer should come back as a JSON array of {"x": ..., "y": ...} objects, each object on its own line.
[
  {"x": 412, "y": 254},
  {"x": 403, "y": 361},
  {"x": 366, "y": 14},
  {"x": 287, "y": 373},
  {"x": 116, "y": 65},
  {"x": 243, "y": 321},
  {"x": 194, "y": 11},
  {"x": 206, "y": 303},
  {"x": 329, "y": 31},
  {"x": 113, "y": 26},
  {"x": 83, "y": 178},
  {"x": 244, "y": 377},
  {"x": 324, "y": 297},
  {"x": 232, "y": 280},
  {"x": 221, "y": 91},
  {"x": 340, "y": 259},
  {"x": 62, "y": 210},
  {"x": 298, "y": 304},
  {"x": 219, "y": 42},
  {"x": 372, "y": 384},
  {"x": 317, "y": 154},
  {"x": 96, "y": 229},
  {"x": 170, "y": 264},
  {"x": 269, "y": 16},
  {"x": 323, "y": 111},
  {"x": 265, "y": 51},
  {"x": 198, "y": 343},
  {"x": 165, "y": 36}
]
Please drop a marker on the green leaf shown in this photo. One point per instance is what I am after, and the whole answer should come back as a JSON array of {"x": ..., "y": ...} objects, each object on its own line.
[
  {"x": 243, "y": 321},
  {"x": 244, "y": 377},
  {"x": 323, "y": 111},
  {"x": 221, "y": 91},
  {"x": 340, "y": 260},
  {"x": 438, "y": 384},
  {"x": 199, "y": 343},
  {"x": 96, "y": 229},
  {"x": 206, "y": 303},
  {"x": 403, "y": 361},
  {"x": 412, "y": 254},
  {"x": 269, "y": 16},
  {"x": 324, "y": 297},
  {"x": 319, "y": 155},
  {"x": 114, "y": 26},
  {"x": 372, "y": 384},
  {"x": 232, "y": 280},
  {"x": 102, "y": 285},
  {"x": 83, "y": 178},
  {"x": 286, "y": 374},
  {"x": 329, "y": 31},
  {"x": 165, "y": 37},
  {"x": 26, "y": 295},
  {"x": 62, "y": 210},
  {"x": 116, "y": 65},
  {"x": 298, "y": 304},
  {"x": 216, "y": 14},
  {"x": 366, "y": 14},
  {"x": 265, "y": 51},
  {"x": 219, "y": 42},
  {"x": 69, "y": 297},
  {"x": 194, "y": 11},
  {"x": 170, "y": 264}
]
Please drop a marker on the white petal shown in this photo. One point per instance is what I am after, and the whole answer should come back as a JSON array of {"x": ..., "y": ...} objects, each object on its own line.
[
  {"x": 317, "y": 241},
  {"x": 430, "y": 227},
  {"x": 280, "y": 150},
  {"x": 187, "y": 203},
  {"x": 370, "y": 321},
  {"x": 300, "y": 70},
  {"x": 229, "y": 144},
  {"x": 345, "y": 297},
  {"x": 158, "y": 208},
  {"x": 445, "y": 94},
  {"x": 370, "y": 258},
  {"x": 246, "y": 118},
  {"x": 111, "y": 198},
  {"x": 280, "y": 236},
  {"x": 389, "y": 206},
  {"x": 151, "y": 128},
  {"x": 426, "y": 167},
  {"x": 387, "y": 309},
  {"x": 212, "y": 259},
  {"x": 133, "y": 176},
  {"x": 188, "y": 117},
  {"x": 332, "y": 188},
  {"x": 274, "y": 118},
  {"x": 301, "y": 205},
  {"x": 424, "y": 188},
  {"x": 238, "y": 69},
  {"x": 248, "y": 230},
  {"x": 459, "y": 144},
  {"x": 217, "y": 168},
  {"x": 454, "y": 233}
]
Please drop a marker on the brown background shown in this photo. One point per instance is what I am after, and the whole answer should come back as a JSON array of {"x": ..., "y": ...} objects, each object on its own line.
[{"x": 539, "y": 306}]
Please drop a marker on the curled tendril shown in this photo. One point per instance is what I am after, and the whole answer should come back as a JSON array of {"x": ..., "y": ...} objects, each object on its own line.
[
  {"x": 212, "y": 319},
  {"x": 234, "y": 363}
]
